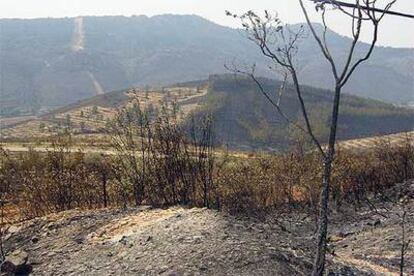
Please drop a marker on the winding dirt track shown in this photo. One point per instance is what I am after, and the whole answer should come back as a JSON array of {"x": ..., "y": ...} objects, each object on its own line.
[
  {"x": 78, "y": 45},
  {"x": 78, "y": 41},
  {"x": 98, "y": 88}
]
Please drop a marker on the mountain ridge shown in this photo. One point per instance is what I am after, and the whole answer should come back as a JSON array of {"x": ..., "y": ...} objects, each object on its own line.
[{"x": 41, "y": 71}]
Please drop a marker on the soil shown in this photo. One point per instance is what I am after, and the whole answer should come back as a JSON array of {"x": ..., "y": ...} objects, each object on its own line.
[{"x": 198, "y": 241}]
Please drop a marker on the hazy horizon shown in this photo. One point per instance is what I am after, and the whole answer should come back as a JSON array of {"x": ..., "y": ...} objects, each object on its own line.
[{"x": 212, "y": 10}]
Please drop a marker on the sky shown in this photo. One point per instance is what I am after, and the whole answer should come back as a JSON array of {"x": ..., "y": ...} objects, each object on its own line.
[{"x": 395, "y": 31}]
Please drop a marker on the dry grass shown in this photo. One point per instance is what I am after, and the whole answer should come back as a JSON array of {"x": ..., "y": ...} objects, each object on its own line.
[
  {"x": 45, "y": 183},
  {"x": 371, "y": 142}
]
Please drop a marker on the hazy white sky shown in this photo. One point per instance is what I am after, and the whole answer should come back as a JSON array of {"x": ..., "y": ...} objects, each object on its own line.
[{"x": 396, "y": 32}]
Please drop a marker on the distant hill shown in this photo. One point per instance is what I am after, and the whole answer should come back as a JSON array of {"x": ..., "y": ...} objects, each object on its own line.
[
  {"x": 48, "y": 63},
  {"x": 243, "y": 118}
]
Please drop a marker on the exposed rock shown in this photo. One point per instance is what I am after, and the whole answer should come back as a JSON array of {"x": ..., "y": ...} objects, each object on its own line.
[
  {"x": 79, "y": 240},
  {"x": 345, "y": 271},
  {"x": 335, "y": 238},
  {"x": 16, "y": 263},
  {"x": 13, "y": 229},
  {"x": 344, "y": 234},
  {"x": 123, "y": 240}
]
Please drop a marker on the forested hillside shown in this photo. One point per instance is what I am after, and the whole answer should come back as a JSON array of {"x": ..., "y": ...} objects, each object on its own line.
[
  {"x": 47, "y": 63},
  {"x": 244, "y": 118}
]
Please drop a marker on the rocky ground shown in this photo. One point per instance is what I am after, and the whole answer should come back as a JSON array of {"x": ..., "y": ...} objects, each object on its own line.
[{"x": 182, "y": 241}]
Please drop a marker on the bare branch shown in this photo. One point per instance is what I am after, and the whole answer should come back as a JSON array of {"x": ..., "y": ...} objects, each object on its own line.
[
  {"x": 347, "y": 75},
  {"x": 356, "y": 34},
  {"x": 319, "y": 41},
  {"x": 281, "y": 89},
  {"x": 341, "y": 5},
  {"x": 305, "y": 113},
  {"x": 260, "y": 31},
  {"x": 262, "y": 90}
]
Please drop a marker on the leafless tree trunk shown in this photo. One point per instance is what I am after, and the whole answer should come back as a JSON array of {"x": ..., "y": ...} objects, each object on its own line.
[
  {"x": 280, "y": 44},
  {"x": 4, "y": 188},
  {"x": 404, "y": 242},
  {"x": 2, "y": 230}
]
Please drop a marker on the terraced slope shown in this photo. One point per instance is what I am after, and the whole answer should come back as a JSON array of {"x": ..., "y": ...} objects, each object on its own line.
[
  {"x": 90, "y": 116},
  {"x": 374, "y": 141}
]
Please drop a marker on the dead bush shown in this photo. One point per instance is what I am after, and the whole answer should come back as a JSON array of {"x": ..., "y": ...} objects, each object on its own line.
[{"x": 160, "y": 163}]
